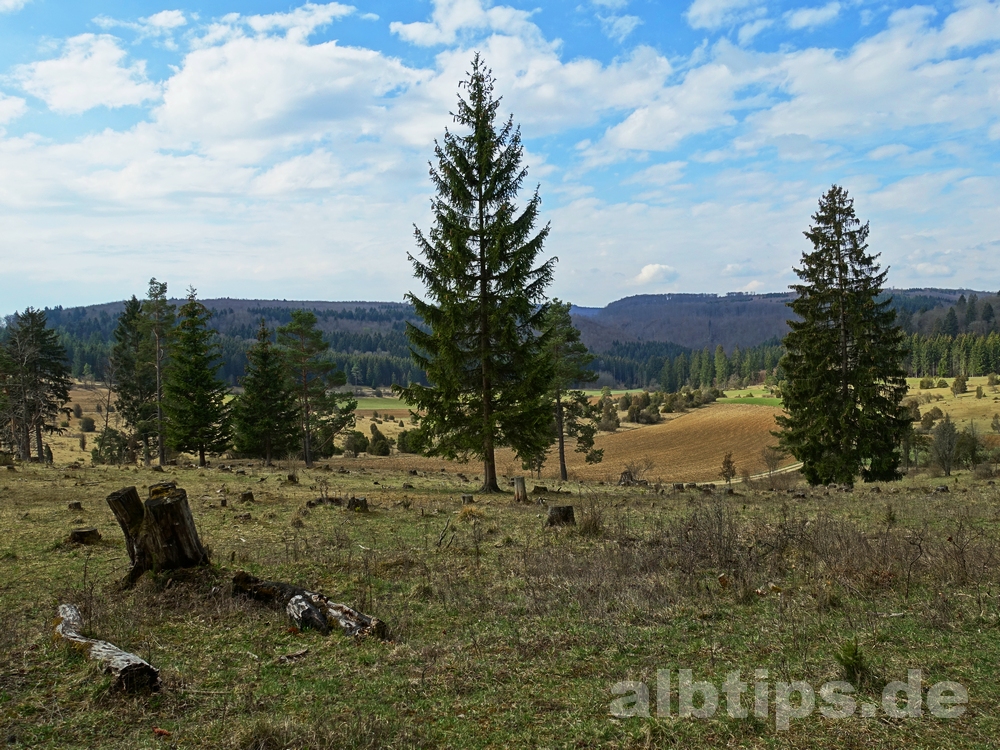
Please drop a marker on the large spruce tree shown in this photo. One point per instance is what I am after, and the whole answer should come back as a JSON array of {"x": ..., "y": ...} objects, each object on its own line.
[
  {"x": 194, "y": 399},
  {"x": 479, "y": 344},
  {"x": 133, "y": 361},
  {"x": 265, "y": 417},
  {"x": 845, "y": 383},
  {"x": 158, "y": 316}
]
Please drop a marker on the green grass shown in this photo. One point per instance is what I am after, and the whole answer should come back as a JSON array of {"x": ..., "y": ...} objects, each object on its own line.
[
  {"x": 388, "y": 403},
  {"x": 504, "y": 634}
]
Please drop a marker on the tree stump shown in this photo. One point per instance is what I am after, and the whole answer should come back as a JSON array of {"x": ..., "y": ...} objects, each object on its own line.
[
  {"x": 359, "y": 504},
  {"x": 246, "y": 496},
  {"x": 75, "y": 505},
  {"x": 130, "y": 672},
  {"x": 309, "y": 609},
  {"x": 159, "y": 534},
  {"x": 468, "y": 499},
  {"x": 560, "y": 515},
  {"x": 539, "y": 489},
  {"x": 85, "y": 536},
  {"x": 520, "y": 491}
]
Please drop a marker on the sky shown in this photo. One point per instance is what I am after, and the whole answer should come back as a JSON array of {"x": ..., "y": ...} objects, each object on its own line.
[{"x": 257, "y": 149}]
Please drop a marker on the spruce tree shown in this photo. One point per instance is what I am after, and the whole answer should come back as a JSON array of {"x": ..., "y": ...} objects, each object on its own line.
[
  {"x": 133, "y": 360},
  {"x": 845, "y": 383},
  {"x": 194, "y": 399},
  {"x": 574, "y": 416},
  {"x": 322, "y": 412},
  {"x": 158, "y": 316},
  {"x": 265, "y": 417},
  {"x": 479, "y": 342}
]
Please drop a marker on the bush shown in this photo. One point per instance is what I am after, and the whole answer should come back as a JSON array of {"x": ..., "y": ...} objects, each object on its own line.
[
  {"x": 959, "y": 385},
  {"x": 625, "y": 402},
  {"x": 77, "y": 411},
  {"x": 991, "y": 380},
  {"x": 942, "y": 383},
  {"x": 356, "y": 442},
  {"x": 926, "y": 383},
  {"x": 412, "y": 441},
  {"x": 87, "y": 424}
]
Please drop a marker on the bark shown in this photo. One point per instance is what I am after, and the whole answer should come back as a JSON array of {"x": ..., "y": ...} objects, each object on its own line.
[
  {"x": 563, "y": 474},
  {"x": 520, "y": 491},
  {"x": 85, "y": 536},
  {"x": 309, "y": 609},
  {"x": 159, "y": 534},
  {"x": 129, "y": 671}
]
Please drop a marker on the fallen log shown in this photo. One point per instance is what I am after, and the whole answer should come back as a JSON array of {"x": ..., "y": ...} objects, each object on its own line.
[
  {"x": 309, "y": 609},
  {"x": 159, "y": 534},
  {"x": 129, "y": 671}
]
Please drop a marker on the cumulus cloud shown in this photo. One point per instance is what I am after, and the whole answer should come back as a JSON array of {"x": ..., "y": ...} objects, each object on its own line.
[
  {"x": 619, "y": 27},
  {"x": 932, "y": 270},
  {"x": 810, "y": 18},
  {"x": 91, "y": 72},
  {"x": 9, "y": 6},
  {"x": 11, "y": 107},
  {"x": 452, "y": 17},
  {"x": 655, "y": 273}
]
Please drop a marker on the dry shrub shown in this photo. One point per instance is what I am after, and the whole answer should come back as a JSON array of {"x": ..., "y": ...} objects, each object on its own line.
[{"x": 591, "y": 521}]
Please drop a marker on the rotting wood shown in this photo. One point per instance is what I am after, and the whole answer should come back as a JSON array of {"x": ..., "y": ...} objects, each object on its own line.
[
  {"x": 159, "y": 534},
  {"x": 309, "y": 609},
  {"x": 130, "y": 672},
  {"x": 85, "y": 536}
]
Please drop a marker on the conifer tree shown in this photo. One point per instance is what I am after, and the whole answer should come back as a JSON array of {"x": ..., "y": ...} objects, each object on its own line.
[
  {"x": 265, "y": 417},
  {"x": 194, "y": 399},
  {"x": 320, "y": 409},
  {"x": 845, "y": 383},
  {"x": 158, "y": 316},
  {"x": 479, "y": 344},
  {"x": 133, "y": 358},
  {"x": 573, "y": 413}
]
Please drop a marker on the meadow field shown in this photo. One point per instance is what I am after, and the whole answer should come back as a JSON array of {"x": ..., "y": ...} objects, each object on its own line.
[{"x": 503, "y": 633}]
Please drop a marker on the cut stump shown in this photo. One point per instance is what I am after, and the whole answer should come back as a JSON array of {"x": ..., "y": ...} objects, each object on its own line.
[
  {"x": 309, "y": 609},
  {"x": 520, "y": 491},
  {"x": 129, "y": 671},
  {"x": 560, "y": 515},
  {"x": 85, "y": 536},
  {"x": 159, "y": 534}
]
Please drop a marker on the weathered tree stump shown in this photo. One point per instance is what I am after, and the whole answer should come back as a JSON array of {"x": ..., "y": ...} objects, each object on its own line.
[
  {"x": 130, "y": 672},
  {"x": 520, "y": 491},
  {"x": 309, "y": 609},
  {"x": 539, "y": 489},
  {"x": 159, "y": 534},
  {"x": 85, "y": 536},
  {"x": 560, "y": 515},
  {"x": 75, "y": 505},
  {"x": 359, "y": 504},
  {"x": 468, "y": 499},
  {"x": 246, "y": 497}
]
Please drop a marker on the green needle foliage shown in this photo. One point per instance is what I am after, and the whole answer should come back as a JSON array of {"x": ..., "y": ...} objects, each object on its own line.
[
  {"x": 133, "y": 361},
  {"x": 265, "y": 417},
  {"x": 574, "y": 416},
  {"x": 323, "y": 413},
  {"x": 194, "y": 399},
  {"x": 844, "y": 354},
  {"x": 35, "y": 380},
  {"x": 479, "y": 344}
]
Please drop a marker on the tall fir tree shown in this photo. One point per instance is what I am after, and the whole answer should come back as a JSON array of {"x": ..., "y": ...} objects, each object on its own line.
[
  {"x": 194, "y": 398},
  {"x": 572, "y": 411},
  {"x": 133, "y": 360},
  {"x": 845, "y": 383},
  {"x": 479, "y": 344},
  {"x": 37, "y": 381},
  {"x": 265, "y": 417},
  {"x": 159, "y": 316},
  {"x": 323, "y": 412}
]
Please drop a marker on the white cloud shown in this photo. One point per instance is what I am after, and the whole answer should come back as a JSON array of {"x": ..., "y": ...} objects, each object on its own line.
[
  {"x": 89, "y": 73},
  {"x": 655, "y": 273},
  {"x": 743, "y": 268},
  {"x": 932, "y": 270},
  {"x": 165, "y": 19},
  {"x": 11, "y": 107},
  {"x": 9, "y": 6},
  {"x": 889, "y": 151},
  {"x": 451, "y": 17},
  {"x": 659, "y": 174},
  {"x": 749, "y": 31},
  {"x": 619, "y": 27},
  {"x": 810, "y": 18},
  {"x": 301, "y": 21},
  {"x": 715, "y": 14}
]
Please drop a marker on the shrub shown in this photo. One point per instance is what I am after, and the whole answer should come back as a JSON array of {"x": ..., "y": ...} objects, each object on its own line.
[
  {"x": 77, "y": 411},
  {"x": 412, "y": 441},
  {"x": 942, "y": 383},
  {"x": 87, "y": 424},
  {"x": 926, "y": 383},
  {"x": 356, "y": 442},
  {"x": 625, "y": 402},
  {"x": 979, "y": 392},
  {"x": 379, "y": 444},
  {"x": 991, "y": 380},
  {"x": 959, "y": 385}
]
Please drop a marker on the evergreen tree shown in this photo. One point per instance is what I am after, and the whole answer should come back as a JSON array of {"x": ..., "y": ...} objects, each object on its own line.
[
  {"x": 265, "y": 417},
  {"x": 845, "y": 383},
  {"x": 133, "y": 360},
  {"x": 194, "y": 399},
  {"x": 721, "y": 367},
  {"x": 37, "y": 381},
  {"x": 479, "y": 346},
  {"x": 320, "y": 410},
  {"x": 158, "y": 314},
  {"x": 574, "y": 416}
]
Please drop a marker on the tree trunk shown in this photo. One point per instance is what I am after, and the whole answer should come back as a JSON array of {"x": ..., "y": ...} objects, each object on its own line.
[
  {"x": 562, "y": 438},
  {"x": 160, "y": 534},
  {"x": 520, "y": 491},
  {"x": 38, "y": 442},
  {"x": 130, "y": 672},
  {"x": 307, "y": 608}
]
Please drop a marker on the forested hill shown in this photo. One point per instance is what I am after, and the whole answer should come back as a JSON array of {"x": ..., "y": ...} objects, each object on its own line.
[{"x": 633, "y": 337}]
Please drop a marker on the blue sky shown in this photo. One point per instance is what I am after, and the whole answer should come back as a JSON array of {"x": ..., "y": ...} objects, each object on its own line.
[{"x": 275, "y": 150}]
